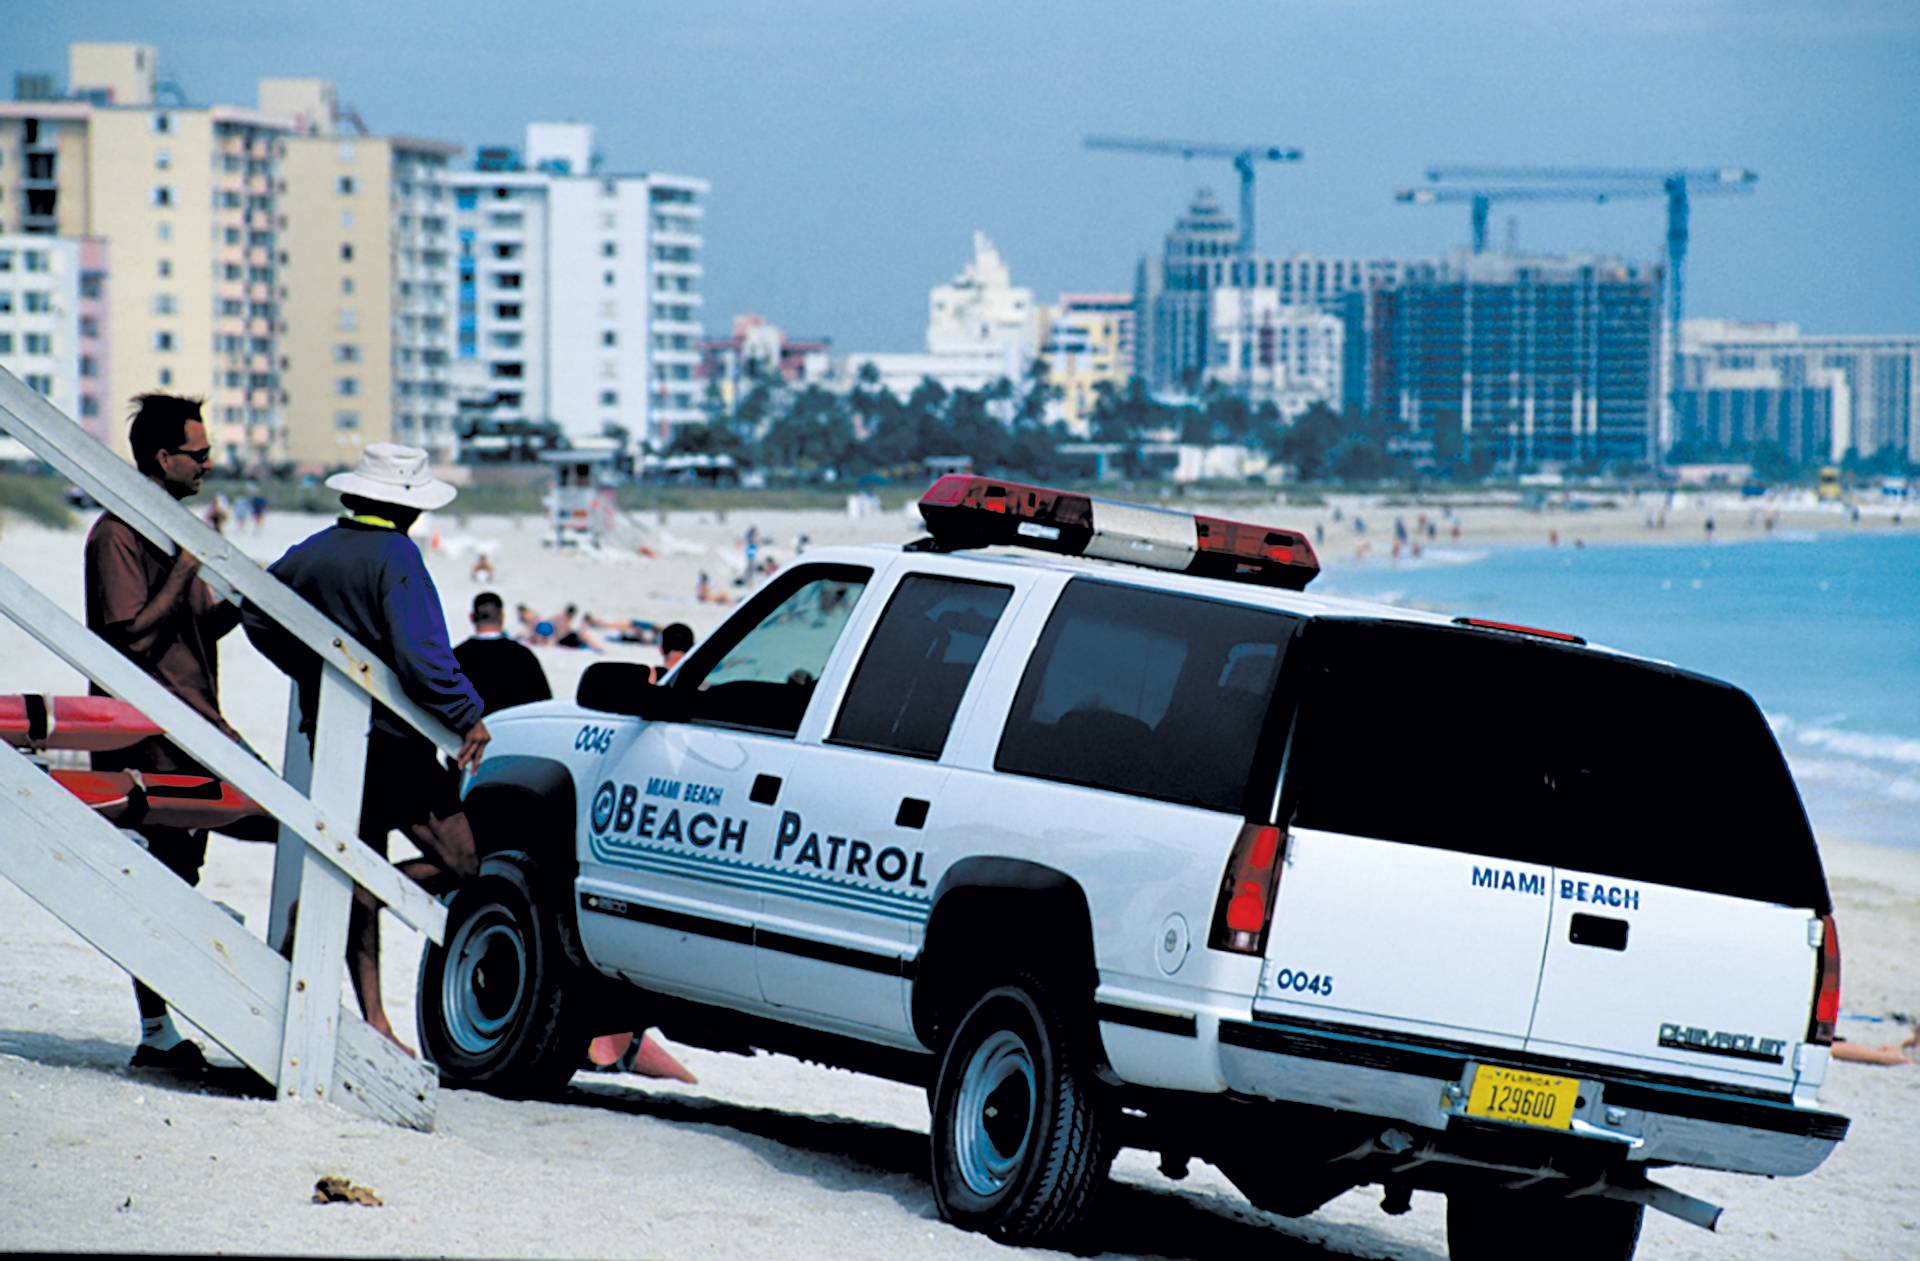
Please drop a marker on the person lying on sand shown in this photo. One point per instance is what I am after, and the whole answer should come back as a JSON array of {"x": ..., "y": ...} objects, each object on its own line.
[{"x": 1905, "y": 1053}]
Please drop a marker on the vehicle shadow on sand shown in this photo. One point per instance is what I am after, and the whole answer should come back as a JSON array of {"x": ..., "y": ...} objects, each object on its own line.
[{"x": 840, "y": 1153}]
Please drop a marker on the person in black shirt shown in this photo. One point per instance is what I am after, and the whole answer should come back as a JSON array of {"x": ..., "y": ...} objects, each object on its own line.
[
  {"x": 505, "y": 672},
  {"x": 676, "y": 641}
]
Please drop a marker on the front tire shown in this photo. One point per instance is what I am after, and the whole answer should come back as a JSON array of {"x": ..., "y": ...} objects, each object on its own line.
[
  {"x": 1489, "y": 1225},
  {"x": 499, "y": 1004},
  {"x": 1020, "y": 1142}
]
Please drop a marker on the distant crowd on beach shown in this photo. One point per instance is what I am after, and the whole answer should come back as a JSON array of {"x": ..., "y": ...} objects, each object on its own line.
[{"x": 573, "y": 627}]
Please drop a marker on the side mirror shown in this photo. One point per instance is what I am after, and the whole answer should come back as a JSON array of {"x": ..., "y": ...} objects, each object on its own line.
[{"x": 626, "y": 687}]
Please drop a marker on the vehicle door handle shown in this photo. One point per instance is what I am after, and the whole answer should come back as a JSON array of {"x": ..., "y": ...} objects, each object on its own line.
[
  {"x": 766, "y": 789},
  {"x": 1597, "y": 930},
  {"x": 912, "y": 813}
]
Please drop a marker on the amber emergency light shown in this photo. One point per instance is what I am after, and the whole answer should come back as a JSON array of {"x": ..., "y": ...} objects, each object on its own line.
[{"x": 964, "y": 512}]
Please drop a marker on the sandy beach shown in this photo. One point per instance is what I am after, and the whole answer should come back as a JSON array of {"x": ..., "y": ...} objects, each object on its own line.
[{"x": 769, "y": 1154}]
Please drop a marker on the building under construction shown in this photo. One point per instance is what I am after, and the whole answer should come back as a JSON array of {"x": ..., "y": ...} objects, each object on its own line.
[
  {"x": 1514, "y": 361},
  {"x": 1188, "y": 303}
]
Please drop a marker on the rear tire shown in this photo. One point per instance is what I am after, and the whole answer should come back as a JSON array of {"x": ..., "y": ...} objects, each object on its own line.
[
  {"x": 500, "y": 1005},
  {"x": 1020, "y": 1133},
  {"x": 1495, "y": 1225}
]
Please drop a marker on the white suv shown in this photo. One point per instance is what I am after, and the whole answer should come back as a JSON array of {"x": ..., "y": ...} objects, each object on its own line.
[{"x": 1323, "y": 893}]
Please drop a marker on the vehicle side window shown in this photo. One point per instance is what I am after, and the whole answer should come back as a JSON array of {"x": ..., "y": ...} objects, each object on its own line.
[
  {"x": 759, "y": 672},
  {"x": 908, "y": 685},
  {"x": 1149, "y": 693}
]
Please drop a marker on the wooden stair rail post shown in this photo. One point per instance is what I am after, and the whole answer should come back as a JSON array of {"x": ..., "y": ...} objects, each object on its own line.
[{"x": 320, "y": 856}]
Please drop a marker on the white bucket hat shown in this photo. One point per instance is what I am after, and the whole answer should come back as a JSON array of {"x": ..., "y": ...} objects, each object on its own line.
[{"x": 393, "y": 474}]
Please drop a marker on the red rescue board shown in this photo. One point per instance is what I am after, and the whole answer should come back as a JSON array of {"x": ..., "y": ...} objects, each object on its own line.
[
  {"x": 135, "y": 798},
  {"x": 93, "y": 723}
]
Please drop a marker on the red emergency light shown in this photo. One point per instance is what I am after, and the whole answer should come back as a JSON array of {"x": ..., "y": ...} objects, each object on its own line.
[{"x": 963, "y": 512}]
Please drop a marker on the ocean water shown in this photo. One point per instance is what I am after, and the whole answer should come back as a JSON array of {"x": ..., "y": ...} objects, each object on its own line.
[{"x": 1822, "y": 629}]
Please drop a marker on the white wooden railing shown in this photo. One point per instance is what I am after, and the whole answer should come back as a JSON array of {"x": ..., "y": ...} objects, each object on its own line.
[{"x": 282, "y": 1017}]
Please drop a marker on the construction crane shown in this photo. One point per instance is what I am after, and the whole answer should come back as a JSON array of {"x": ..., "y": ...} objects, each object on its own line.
[
  {"x": 1243, "y": 158},
  {"x": 1480, "y": 200},
  {"x": 1679, "y": 186}
]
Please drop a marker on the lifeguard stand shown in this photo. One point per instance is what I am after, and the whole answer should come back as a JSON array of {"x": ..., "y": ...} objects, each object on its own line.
[{"x": 580, "y": 505}]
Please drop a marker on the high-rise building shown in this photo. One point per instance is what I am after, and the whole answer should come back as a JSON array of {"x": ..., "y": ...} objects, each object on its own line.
[
  {"x": 981, "y": 328},
  {"x": 981, "y": 307},
  {"x": 1174, "y": 294},
  {"x": 53, "y": 322},
  {"x": 577, "y": 290},
  {"x": 1190, "y": 309},
  {"x": 1880, "y": 375},
  {"x": 1088, "y": 340},
  {"x": 186, "y": 198},
  {"x": 1298, "y": 354},
  {"x": 367, "y": 330},
  {"x": 1522, "y": 361},
  {"x": 1731, "y": 413}
]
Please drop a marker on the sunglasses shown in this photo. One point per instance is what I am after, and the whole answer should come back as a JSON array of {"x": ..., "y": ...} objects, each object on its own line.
[{"x": 199, "y": 455}]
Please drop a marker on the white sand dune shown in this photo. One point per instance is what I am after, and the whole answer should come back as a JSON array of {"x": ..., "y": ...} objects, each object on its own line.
[{"x": 766, "y": 1156}]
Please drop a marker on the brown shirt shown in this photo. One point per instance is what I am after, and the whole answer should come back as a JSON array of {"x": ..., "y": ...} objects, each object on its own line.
[{"x": 124, "y": 571}]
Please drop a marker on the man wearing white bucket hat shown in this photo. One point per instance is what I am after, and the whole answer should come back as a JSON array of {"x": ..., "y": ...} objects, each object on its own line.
[{"x": 365, "y": 574}]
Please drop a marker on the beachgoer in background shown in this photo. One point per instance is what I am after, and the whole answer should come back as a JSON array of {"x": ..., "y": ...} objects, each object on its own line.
[
  {"x": 567, "y": 633},
  {"x": 483, "y": 570},
  {"x": 503, "y": 672},
  {"x": 161, "y": 616},
  {"x": 218, "y": 513},
  {"x": 626, "y": 630},
  {"x": 676, "y": 641},
  {"x": 529, "y": 624},
  {"x": 259, "y": 505},
  {"x": 368, "y": 576}
]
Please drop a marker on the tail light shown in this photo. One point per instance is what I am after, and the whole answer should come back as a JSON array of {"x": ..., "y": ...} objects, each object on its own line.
[
  {"x": 1826, "y": 986},
  {"x": 1245, "y": 908}
]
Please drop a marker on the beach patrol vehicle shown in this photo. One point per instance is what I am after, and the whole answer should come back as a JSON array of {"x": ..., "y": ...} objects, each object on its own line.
[{"x": 1122, "y": 839}]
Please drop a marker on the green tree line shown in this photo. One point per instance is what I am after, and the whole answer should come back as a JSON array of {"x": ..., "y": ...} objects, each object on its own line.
[{"x": 810, "y": 434}]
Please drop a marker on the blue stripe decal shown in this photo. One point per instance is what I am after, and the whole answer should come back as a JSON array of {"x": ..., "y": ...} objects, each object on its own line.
[
  {"x": 701, "y": 867},
  {"x": 799, "y": 885}
]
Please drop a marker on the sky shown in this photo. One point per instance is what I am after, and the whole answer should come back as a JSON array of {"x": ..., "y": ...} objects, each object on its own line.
[{"x": 854, "y": 146}]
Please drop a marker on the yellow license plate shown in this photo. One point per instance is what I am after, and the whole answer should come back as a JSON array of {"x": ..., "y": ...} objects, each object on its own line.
[{"x": 1507, "y": 1094}]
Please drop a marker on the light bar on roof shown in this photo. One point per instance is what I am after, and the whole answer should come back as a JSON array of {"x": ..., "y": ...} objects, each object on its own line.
[{"x": 963, "y": 511}]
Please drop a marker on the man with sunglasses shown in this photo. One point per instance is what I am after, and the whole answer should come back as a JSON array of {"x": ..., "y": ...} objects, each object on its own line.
[{"x": 153, "y": 608}]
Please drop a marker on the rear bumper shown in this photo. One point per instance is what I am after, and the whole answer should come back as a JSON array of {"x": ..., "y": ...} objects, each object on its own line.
[{"x": 1621, "y": 1116}]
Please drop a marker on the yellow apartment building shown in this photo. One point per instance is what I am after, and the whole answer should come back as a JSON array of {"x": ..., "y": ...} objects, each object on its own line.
[{"x": 186, "y": 199}]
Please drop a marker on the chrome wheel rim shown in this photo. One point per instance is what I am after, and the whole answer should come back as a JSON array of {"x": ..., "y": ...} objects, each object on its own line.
[
  {"x": 484, "y": 985},
  {"x": 994, "y": 1112}
]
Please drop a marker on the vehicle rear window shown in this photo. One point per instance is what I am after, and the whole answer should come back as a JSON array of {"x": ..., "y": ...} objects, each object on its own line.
[
  {"x": 1149, "y": 693},
  {"x": 915, "y": 670},
  {"x": 1494, "y": 745}
]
